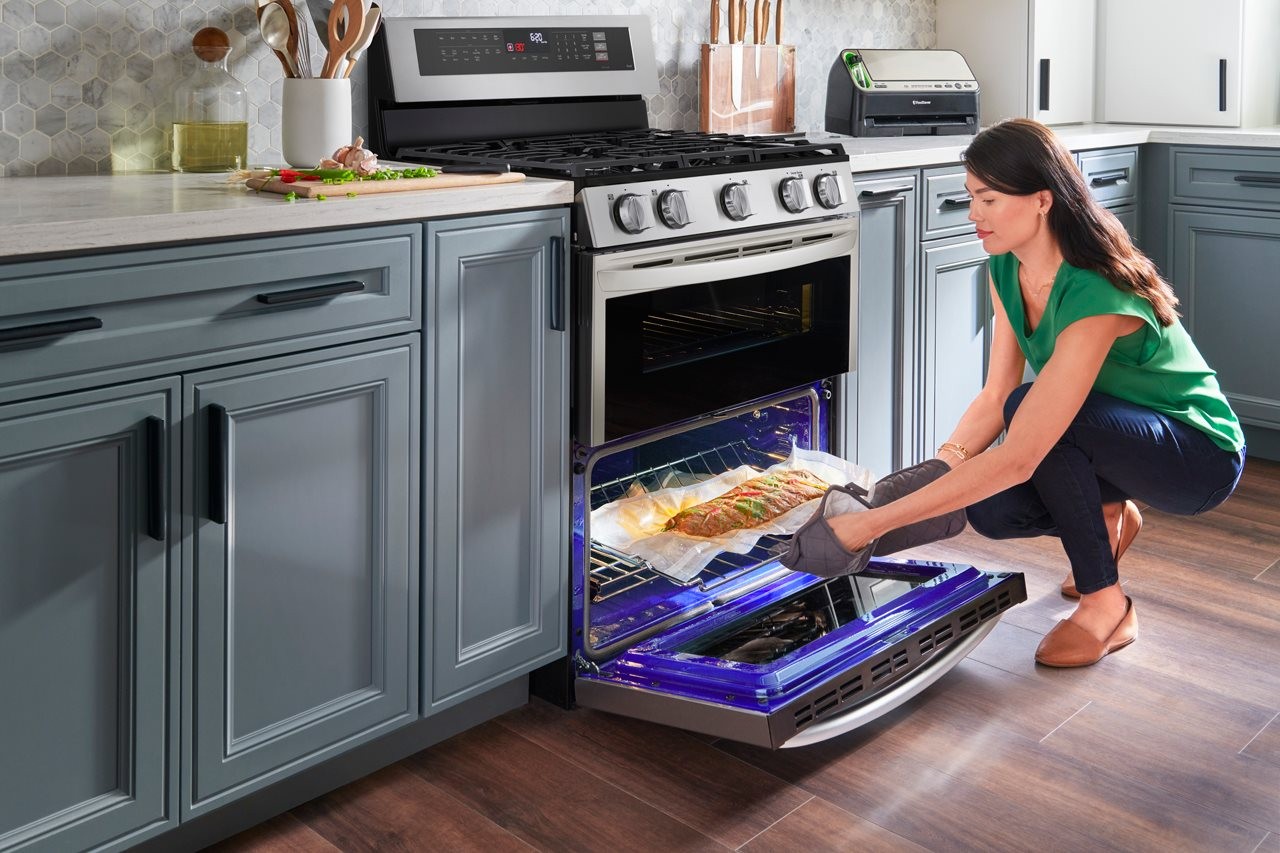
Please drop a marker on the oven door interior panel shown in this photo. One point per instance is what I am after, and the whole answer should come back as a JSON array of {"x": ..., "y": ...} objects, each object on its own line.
[{"x": 804, "y": 658}]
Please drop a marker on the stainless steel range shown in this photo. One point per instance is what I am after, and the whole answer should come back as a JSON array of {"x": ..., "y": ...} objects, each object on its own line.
[{"x": 713, "y": 295}]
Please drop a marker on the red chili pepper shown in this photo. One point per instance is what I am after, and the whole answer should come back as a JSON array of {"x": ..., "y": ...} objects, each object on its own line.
[
  {"x": 311, "y": 177},
  {"x": 288, "y": 176}
]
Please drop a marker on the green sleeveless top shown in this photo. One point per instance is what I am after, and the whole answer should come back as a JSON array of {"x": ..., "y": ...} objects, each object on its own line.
[{"x": 1157, "y": 366}]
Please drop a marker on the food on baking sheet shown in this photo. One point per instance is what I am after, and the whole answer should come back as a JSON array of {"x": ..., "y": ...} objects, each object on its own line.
[{"x": 749, "y": 504}]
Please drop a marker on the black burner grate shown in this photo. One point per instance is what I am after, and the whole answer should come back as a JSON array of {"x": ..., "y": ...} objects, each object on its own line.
[{"x": 621, "y": 153}]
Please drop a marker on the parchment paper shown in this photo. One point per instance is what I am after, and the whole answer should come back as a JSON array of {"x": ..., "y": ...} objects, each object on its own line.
[{"x": 634, "y": 524}]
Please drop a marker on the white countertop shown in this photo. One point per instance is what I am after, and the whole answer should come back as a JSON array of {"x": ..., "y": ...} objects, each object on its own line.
[
  {"x": 57, "y": 215},
  {"x": 67, "y": 214},
  {"x": 867, "y": 154}
]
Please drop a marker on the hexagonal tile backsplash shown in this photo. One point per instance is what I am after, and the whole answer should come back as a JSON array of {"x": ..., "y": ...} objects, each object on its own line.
[{"x": 86, "y": 85}]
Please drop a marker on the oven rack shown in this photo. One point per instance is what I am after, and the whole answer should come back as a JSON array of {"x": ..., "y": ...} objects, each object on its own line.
[
  {"x": 688, "y": 335},
  {"x": 612, "y": 572}
]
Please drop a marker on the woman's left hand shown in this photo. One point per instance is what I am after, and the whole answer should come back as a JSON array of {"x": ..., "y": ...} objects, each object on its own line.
[{"x": 856, "y": 529}]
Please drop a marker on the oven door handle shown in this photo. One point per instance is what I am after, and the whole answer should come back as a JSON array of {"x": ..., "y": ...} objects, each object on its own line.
[
  {"x": 665, "y": 276},
  {"x": 910, "y": 687}
]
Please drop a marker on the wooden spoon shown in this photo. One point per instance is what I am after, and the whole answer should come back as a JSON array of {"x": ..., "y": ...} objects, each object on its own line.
[
  {"x": 347, "y": 18},
  {"x": 371, "y": 22}
]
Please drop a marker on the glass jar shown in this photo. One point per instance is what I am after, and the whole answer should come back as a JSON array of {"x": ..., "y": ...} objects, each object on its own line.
[{"x": 210, "y": 111}]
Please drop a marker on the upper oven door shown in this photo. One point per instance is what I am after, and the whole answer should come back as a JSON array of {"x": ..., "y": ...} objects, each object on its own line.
[{"x": 668, "y": 333}]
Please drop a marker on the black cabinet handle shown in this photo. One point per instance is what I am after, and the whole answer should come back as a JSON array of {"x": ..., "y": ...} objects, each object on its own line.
[
  {"x": 1044, "y": 84},
  {"x": 957, "y": 202},
  {"x": 556, "y": 295},
  {"x": 1266, "y": 180},
  {"x": 1109, "y": 179},
  {"x": 157, "y": 445},
  {"x": 308, "y": 294},
  {"x": 218, "y": 463},
  {"x": 56, "y": 329},
  {"x": 887, "y": 192},
  {"x": 1222, "y": 85}
]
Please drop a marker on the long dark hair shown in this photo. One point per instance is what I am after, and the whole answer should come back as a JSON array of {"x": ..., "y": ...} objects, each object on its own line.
[{"x": 1021, "y": 157}]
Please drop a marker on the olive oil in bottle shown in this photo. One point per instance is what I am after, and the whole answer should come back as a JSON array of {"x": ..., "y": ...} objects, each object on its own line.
[
  {"x": 210, "y": 111},
  {"x": 210, "y": 146}
]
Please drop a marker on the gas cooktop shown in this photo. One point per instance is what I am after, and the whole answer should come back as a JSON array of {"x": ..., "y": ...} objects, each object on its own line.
[{"x": 621, "y": 153}]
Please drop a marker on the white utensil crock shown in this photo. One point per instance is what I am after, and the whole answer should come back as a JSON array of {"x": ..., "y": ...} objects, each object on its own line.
[{"x": 316, "y": 119}]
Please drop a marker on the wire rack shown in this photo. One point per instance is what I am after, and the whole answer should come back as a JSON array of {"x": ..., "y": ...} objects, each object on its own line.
[
  {"x": 613, "y": 572},
  {"x": 688, "y": 335}
]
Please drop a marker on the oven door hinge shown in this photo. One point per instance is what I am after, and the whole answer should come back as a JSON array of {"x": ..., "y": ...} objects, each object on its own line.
[{"x": 581, "y": 664}]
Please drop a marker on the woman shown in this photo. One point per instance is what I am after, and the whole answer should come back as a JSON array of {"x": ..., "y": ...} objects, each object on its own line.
[{"x": 1123, "y": 406}]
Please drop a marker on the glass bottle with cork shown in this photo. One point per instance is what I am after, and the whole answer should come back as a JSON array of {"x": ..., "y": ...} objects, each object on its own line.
[{"x": 210, "y": 111}]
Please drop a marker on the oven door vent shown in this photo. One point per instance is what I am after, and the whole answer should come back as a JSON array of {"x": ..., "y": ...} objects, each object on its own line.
[{"x": 746, "y": 251}]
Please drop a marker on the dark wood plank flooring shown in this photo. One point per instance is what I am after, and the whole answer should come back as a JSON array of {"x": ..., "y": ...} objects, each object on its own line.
[{"x": 1170, "y": 744}]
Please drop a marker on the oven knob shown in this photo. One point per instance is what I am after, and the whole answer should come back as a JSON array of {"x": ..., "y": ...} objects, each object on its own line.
[
  {"x": 733, "y": 198},
  {"x": 631, "y": 214},
  {"x": 827, "y": 188},
  {"x": 673, "y": 209},
  {"x": 794, "y": 195}
]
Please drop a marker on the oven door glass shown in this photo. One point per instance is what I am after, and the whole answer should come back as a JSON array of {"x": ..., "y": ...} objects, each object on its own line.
[
  {"x": 717, "y": 326},
  {"x": 803, "y": 659}
]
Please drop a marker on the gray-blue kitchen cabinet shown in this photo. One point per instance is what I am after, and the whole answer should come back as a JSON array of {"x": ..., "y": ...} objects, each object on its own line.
[
  {"x": 1225, "y": 266},
  {"x": 876, "y": 412},
  {"x": 1112, "y": 176},
  {"x": 87, "y": 517},
  {"x": 955, "y": 327},
  {"x": 496, "y": 514},
  {"x": 299, "y": 608}
]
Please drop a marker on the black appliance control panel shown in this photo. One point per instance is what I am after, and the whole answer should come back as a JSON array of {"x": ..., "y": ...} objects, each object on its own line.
[{"x": 526, "y": 50}]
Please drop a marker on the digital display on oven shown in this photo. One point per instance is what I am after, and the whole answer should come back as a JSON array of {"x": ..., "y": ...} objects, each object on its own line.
[{"x": 498, "y": 51}]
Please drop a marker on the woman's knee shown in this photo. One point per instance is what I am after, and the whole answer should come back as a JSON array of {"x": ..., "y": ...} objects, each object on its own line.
[
  {"x": 994, "y": 518},
  {"x": 1014, "y": 400}
]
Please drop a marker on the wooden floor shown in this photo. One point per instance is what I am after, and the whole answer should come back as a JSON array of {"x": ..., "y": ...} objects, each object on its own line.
[{"x": 1170, "y": 744}]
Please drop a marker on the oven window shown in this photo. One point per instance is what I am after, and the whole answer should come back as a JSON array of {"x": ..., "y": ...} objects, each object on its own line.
[
  {"x": 682, "y": 327},
  {"x": 676, "y": 353}
]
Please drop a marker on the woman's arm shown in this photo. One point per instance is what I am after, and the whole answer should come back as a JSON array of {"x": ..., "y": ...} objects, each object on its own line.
[
  {"x": 983, "y": 420},
  {"x": 1046, "y": 412}
]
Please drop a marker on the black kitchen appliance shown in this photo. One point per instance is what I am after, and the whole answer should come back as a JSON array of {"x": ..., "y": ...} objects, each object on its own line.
[
  {"x": 714, "y": 294},
  {"x": 880, "y": 92}
]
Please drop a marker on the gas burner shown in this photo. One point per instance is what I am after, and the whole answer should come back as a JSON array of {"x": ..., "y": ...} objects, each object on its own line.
[{"x": 642, "y": 151}]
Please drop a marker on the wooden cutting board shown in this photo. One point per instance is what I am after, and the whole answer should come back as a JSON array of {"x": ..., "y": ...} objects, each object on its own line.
[{"x": 311, "y": 189}]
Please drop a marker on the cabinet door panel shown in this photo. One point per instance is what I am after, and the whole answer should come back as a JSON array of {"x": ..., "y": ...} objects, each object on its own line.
[
  {"x": 1224, "y": 270},
  {"x": 302, "y": 598},
  {"x": 956, "y": 324},
  {"x": 1144, "y": 45},
  {"x": 498, "y": 540},
  {"x": 1063, "y": 44},
  {"x": 877, "y": 406},
  {"x": 84, "y": 642}
]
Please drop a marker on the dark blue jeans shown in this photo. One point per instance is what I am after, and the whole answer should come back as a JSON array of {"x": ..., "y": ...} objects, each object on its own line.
[{"x": 1113, "y": 450}]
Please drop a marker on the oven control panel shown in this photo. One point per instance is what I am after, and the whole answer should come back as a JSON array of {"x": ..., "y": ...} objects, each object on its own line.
[{"x": 673, "y": 208}]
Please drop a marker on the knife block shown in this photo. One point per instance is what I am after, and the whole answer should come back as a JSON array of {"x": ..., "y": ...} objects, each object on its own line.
[{"x": 765, "y": 76}]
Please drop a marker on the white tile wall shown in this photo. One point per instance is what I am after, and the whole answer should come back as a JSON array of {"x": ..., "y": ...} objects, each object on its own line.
[{"x": 86, "y": 85}]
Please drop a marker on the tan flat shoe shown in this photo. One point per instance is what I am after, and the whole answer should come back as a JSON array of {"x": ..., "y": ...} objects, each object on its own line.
[
  {"x": 1070, "y": 645},
  {"x": 1130, "y": 524}
]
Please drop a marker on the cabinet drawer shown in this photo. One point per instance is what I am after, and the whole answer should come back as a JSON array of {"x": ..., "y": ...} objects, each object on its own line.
[
  {"x": 946, "y": 203},
  {"x": 74, "y": 315},
  {"x": 1231, "y": 177},
  {"x": 1111, "y": 175}
]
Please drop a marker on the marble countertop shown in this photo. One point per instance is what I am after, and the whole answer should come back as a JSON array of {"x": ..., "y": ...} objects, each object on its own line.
[
  {"x": 63, "y": 215},
  {"x": 912, "y": 152},
  {"x": 59, "y": 215}
]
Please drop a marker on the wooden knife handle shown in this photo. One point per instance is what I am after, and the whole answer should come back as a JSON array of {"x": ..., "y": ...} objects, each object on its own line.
[
  {"x": 764, "y": 24},
  {"x": 733, "y": 21},
  {"x": 715, "y": 22},
  {"x": 742, "y": 20},
  {"x": 777, "y": 24}
]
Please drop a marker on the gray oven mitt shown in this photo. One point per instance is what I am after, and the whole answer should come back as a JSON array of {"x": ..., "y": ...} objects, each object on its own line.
[{"x": 815, "y": 549}]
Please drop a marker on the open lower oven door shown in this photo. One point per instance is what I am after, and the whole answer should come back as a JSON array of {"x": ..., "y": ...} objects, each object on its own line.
[
  {"x": 747, "y": 649},
  {"x": 801, "y": 659}
]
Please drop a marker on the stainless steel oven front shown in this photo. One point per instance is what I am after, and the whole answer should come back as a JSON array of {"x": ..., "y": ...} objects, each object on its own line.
[{"x": 672, "y": 331}]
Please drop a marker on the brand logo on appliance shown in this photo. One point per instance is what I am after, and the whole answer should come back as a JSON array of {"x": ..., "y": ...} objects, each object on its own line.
[{"x": 916, "y": 103}]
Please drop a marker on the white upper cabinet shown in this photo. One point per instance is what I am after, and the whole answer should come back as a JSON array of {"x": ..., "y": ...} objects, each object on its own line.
[
  {"x": 1032, "y": 58},
  {"x": 1188, "y": 62}
]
